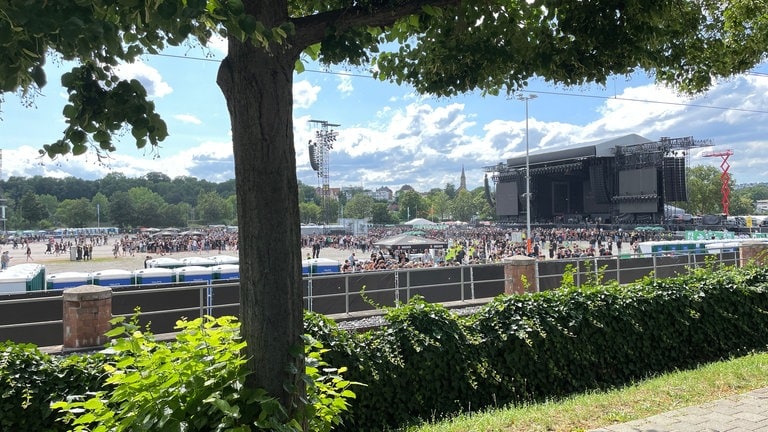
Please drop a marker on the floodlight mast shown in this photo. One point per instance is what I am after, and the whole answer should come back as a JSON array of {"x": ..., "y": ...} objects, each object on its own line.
[
  {"x": 528, "y": 240},
  {"x": 325, "y": 136}
]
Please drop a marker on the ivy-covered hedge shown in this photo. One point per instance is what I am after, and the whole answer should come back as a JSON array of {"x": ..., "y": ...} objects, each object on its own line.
[
  {"x": 428, "y": 364},
  {"x": 30, "y": 381}
]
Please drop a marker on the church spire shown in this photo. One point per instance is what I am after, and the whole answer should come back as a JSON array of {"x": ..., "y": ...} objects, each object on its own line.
[{"x": 463, "y": 181}]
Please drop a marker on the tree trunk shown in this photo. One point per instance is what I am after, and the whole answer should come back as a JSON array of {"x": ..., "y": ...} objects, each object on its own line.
[{"x": 258, "y": 89}]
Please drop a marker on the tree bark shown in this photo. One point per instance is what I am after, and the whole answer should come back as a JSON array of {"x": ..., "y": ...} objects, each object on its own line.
[{"x": 257, "y": 86}]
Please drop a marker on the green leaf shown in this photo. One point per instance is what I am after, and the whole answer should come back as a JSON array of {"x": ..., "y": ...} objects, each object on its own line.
[
  {"x": 167, "y": 9},
  {"x": 77, "y": 136},
  {"x": 68, "y": 80},
  {"x": 247, "y": 24},
  {"x": 69, "y": 111},
  {"x": 6, "y": 33},
  {"x": 101, "y": 136},
  {"x": 235, "y": 7},
  {"x": 138, "y": 133},
  {"x": 78, "y": 149}
]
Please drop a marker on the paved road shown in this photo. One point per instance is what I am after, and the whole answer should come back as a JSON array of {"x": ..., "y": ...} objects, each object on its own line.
[{"x": 744, "y": 412}]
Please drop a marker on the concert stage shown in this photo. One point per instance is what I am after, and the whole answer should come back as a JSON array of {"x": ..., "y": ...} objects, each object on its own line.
[{"x": 622, "y": 180}]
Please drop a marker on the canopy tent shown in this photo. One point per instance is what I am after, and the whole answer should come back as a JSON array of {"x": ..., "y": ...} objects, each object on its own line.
[
  {"x": 404, "y": 241},
  {"x": 165, "y": 233},
  {"x": 649, "y": 228},
  {"x": 419, "y": 222}
]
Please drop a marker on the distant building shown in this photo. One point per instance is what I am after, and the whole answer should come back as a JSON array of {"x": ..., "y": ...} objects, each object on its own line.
[
  {"x": 350, "y": 191},
  {"x": 333, "y": 193},
  {"x": 382, "y": 194},
  {"x": 404, "y": 189},
  {"x": 761, "y": 206}
]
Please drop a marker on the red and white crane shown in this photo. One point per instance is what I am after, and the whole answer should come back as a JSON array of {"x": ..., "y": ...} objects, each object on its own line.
[{"x": 725, "y": 178}]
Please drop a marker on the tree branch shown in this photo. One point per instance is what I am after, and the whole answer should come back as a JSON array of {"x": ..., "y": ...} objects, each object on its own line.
[{"x": 311, "y": 29}]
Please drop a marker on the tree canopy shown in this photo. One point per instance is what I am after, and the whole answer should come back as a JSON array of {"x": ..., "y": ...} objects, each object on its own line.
[{"x": 440, "y": 47}]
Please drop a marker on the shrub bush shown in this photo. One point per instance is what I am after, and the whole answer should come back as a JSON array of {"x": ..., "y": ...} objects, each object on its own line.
[
  {"x": 30, "y": 380},
  {"x": 427, "y": 363},
  {"x": 196, "y": 383}
]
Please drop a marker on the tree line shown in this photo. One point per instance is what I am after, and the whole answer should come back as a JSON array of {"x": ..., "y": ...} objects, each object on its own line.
[
  {"x": 705, "y": 193},
  {"x": 116, "y": 200},
  {"x": 157, "y": 200}
]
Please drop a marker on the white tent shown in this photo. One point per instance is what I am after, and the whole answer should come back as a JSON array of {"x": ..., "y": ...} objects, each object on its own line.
[
  {"x": 419, "y": 222},
  {"x": 404, "y": 241}
]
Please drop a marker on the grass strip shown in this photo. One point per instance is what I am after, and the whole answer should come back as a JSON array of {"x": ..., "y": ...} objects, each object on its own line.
[{"x": 597, "y": 409}]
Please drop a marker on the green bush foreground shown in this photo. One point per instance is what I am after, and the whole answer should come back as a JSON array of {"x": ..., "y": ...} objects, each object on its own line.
[
  {"x": 426, "y": 363},
  {"x": 194, "y": 383}
]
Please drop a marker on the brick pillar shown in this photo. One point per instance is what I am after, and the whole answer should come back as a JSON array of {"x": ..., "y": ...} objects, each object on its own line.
[
  {"x": 87, "y": 311},
  {"x": 754, "y": 251},
  {"x": 514, "y": 269}
]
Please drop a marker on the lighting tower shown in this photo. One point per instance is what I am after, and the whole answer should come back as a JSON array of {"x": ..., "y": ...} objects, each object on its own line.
[
  {"x": 725, "y": 178},
  {"x": 528, "y": 239},
  {"x": 2, "y": 196},
  {"x": 319, "y": 150}
]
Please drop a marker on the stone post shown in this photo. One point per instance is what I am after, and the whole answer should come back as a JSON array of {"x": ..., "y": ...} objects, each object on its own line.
[
  {"x": 87, "y": 311},
  {"x": 753, "y": 251},
  {"x": 517, "y": 269}
]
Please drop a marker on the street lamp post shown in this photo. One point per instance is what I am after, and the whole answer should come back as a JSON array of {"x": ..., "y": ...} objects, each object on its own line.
[{"x": 528, "y": 240}]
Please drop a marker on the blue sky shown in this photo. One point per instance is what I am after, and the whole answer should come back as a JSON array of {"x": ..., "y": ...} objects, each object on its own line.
[{"x": 389, "y": 135}]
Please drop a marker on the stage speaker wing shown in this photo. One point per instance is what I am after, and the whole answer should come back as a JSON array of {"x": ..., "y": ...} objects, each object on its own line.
[{"x": 313, "y": 157}]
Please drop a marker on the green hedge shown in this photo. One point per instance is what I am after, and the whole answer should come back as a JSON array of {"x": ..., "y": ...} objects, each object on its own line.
[
  {"x": 192, "y": 383},
  {"x": 30, "y": 381},
  {"x": 429, "y": 364}
]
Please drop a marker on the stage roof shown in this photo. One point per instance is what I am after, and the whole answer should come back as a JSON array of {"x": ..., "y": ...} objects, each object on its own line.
[{"x": 601, "y": 148}]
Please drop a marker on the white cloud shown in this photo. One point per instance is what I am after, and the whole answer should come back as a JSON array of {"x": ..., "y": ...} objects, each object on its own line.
[
  {"x": 147, "y": 75},
  {"x": 304, "y": 94},
  {"x": 188, "y": 118},
  {"x": 345, "y": 85},
  {"x": 392, "y": 136}
]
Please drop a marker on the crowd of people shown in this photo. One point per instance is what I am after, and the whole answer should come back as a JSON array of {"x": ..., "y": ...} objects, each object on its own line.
[
  {"x": 81, "y": 246},
  {"x": 463, "y": 245},
  {"x": 484, "y": 244}
]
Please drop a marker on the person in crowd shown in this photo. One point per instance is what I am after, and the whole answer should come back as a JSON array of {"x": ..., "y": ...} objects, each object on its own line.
[
  {"x": 346, "y": 267},
  {"x": 5, "y": 259},
  {"x": 426, "y": 258}
]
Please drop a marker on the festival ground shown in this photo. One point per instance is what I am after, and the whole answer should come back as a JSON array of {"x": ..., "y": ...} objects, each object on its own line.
[{"x": 104, "y": 259}]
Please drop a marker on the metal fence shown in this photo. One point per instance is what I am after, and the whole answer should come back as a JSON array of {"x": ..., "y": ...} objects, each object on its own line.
[{"x": 36, "y": 317}]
